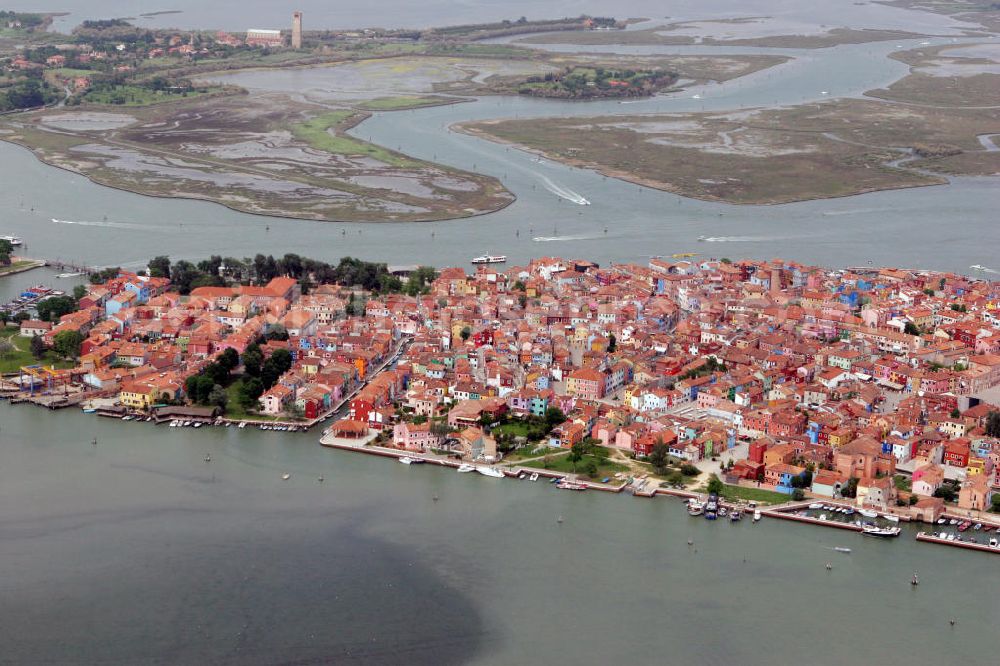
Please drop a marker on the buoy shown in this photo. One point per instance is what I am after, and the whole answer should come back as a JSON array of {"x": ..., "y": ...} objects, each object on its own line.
[
  {"x": 320, "y": 479},
  {"x": 559, "y": 519},
  {"x": 952, "y": 621},
  {"x": 690, "y": 542}
]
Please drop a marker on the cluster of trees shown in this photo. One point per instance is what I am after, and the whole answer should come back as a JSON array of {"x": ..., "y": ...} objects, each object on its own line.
[
  {"x": 662, "y": 464},
  {"x": 589, "y": 448},
  {"x": 711, "y": 365},
  {"x": 6, "y": 249},
  {"x": 208, "y": 386},
  {"x": 993, "y": 424},
  {"x": 27, "y": 93},
  {"x": 51, "y": 309},
  {"x": 27, "y": 20},
  {"x": 260, "y": 269},
  {"x": 260, "y": 374},
  {"x": 598, "y": 82},
  {"x": 948, "y": 491}
]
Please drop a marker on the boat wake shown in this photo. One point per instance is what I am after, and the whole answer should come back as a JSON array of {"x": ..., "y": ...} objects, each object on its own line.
[
  {"x": 109, "y": 225},
  {"x": 554, "y": 239},
  {"x": 735, "y": 239},
  {"x": 563, "y": 192},
  {"x": 854, "y": 211}
]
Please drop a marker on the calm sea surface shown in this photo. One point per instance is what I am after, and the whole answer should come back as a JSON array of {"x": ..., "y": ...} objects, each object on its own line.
[{"x": 137, "y": 551}]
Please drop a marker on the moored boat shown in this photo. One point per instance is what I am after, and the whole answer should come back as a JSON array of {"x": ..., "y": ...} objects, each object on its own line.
[
  {"x": 876, "y": 531},
  {"x": 696, "y": 508},
  {"x": 533, "y": 477},
  {"x": 868, "y": 513},
  {"x": 756, "y": 515},
  {"x": 569, "y": 485},
  {"x": 465, "y": 468},
  {"x": 490, "y": 471}
]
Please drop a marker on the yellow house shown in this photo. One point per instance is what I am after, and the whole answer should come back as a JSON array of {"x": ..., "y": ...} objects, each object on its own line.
[
  {"x": 135, "y": 396},
  {"x": 309, "y": 365},
  {"x": 975, "y": 466},
  {"x": 840, "y": 437}
]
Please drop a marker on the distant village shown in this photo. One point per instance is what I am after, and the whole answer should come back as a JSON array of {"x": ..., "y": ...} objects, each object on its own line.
[{"x": 877, "y": 385}]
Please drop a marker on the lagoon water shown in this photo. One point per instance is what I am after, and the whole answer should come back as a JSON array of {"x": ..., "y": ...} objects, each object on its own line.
[{"x": 138, "y": 551}]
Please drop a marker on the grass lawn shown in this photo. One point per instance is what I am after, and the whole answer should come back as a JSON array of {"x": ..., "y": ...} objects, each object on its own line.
[
  {"x": 560, "y": 463},
  {"x": 22, "y": 354},
  {"x": 234, "y": 410},
  {"x": 316, "y": 133},
  {"x": 17, "y": 265},
  {"x": 733, "y": 493},
  {"x": 530, "y": 452}
]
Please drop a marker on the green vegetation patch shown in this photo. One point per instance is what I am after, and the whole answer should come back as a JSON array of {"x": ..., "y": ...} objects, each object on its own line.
[
  {"x": 320, "y": 133},
  {"x": 734, "y": 493},
  {"x": 127, "y": 94},
  {"x": 404, "y": 102},
  {"x": 11, "y": 359}
]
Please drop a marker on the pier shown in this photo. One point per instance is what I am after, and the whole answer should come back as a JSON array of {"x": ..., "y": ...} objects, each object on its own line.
[{"x": 970, "y": 545}]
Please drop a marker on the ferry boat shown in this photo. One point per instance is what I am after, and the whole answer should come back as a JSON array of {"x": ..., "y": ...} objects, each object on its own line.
[
  {"x": 490, "y": 259},
  {"x": 465, "y": 468},
  {"x": 490, "y": 471},
  {"x": 13, "y": 240},
  {"x": 876, "y": 531}
]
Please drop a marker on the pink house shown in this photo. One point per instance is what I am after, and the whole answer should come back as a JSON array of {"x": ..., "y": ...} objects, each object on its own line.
[
  {"x": 414, "y": 437},
  {"x": 605, "y": 432}
]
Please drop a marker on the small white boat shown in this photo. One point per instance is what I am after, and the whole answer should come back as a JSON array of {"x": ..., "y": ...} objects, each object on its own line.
[
  {"x": 942, "y": 521},
  {"x": 756, "y": 515},
  {"x": 569, "y": 485},
  {"x": 994, "y": 543},
  {"x": 951, "y": 536},
  {"x": 891, "y": 519},
  {"x": 815, "y": 505},
  {"x": 286, "y": 476},
  {"x": 490, "y": 471},
  {"x": 490, "y": 259},
  {"x": 465, "y": 467},
  {"x": 13, "y": 240},
  {"x": 868, "y": 513},
  {"x": 842, "y": 549},
  {"x": 695, "y": 508},
  {"x": 533, "y": 477},
  {"x": 406, "y": 460},
  {"x": 822, "y": 516}
]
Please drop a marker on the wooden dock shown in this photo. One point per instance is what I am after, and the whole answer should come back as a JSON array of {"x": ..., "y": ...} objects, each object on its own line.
[{"x": 983, "y": 547}]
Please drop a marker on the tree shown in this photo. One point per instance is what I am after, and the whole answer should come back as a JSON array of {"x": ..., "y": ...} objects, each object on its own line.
[
  {"x": 51, "y": 309},
  {"x": 993, "y": 424},
  {"x": 576, "y": 453},
  {"x": 612, "y": 343},
  {"x": 79, "y": 291},
  {"x": 253, "y": 359},
  {"x": 955, "y": 413},
  {"x": 37, "y": 347},
  {"x": 658, "y": 457},
  {"x": 465, "y": 333},
  {"x": 554, "y": 416},
  {"x": 798, "y": 495},
  {"x": 250, "y": 390},
  {"x": 6, "y": 348},
  {"x": 715, "y": 485},
  {"x": 277, "y": 332},
  {"x": 229, "y": 359},
  {"x": 851, "y": 488},
  {"x": 687, "y": 469},
  {"x": 590, "y": 468},
  {"x": 911, "y": 329},
  {"x": 218, "y": 397},
  {"x": 159, "y": 267},
  {"x": 67, "y": 343},
  {"x": 995, "y": 503}
]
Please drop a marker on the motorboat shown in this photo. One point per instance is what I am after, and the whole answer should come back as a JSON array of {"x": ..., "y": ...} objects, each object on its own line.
[
  {"x": 951, "y": 536},
  {"x": 533, "y": 477},
  {"x": 490, "y": 471},
  {"x": 696, "y": 508},
  {"x": 822, "y": 517},
  {"x": 942, "y": 521},
  {"x": 953, "y": 521},
  {"x": 569, "y": 485},
  {"x": 876, "y": 531},
  {"x": 406, "y": 460},
  {"x": 735, "y": 515},
  {"x": 868, "y": 513},
  {"x": 891, "y": 519},
  {"x": 465, "y": 468},
  {"x": 286, "y": 476},
  {"x": 490, "y": 259},
  {"x": 13, "y": 240},
  {"x": 994, "y": 543},
  {"x": 977, "y": 526},
  {"x": 756, "y": 515},
  {"x": 842, "y": 549},
  {"x": 815, "y": 505},
  {"x": 723, "y": 512}
]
